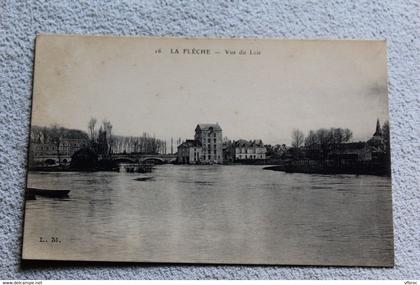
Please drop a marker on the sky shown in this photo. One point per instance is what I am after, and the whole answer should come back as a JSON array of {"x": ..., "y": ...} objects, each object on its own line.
[{"x": 144, "y": 85}]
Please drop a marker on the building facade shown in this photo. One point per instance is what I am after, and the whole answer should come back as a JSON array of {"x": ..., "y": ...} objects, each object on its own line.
[
  {"x": 190, "y": 152},
  {"x": 54, "y": 146},
  {"x": 52, "y": 153},
  {"x": 373, "y": 149},
  {"x": 354, "y": 151},
  {"x": 211, "y": 138},
  {"x": 249, "y": 150}
]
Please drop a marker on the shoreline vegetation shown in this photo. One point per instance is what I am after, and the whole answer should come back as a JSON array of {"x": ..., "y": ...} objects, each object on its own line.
[
  {"x": 332, "y": 168},
  {"x": 320, "y": 151},
  {"x": 303, "y": 166}
]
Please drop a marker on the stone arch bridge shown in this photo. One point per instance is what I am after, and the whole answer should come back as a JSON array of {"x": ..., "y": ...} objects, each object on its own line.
[{"x": 152, "y": 158}]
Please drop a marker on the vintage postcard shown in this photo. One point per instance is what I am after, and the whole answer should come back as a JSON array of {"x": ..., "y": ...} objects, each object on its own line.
[{"x": 223, "y": 151}]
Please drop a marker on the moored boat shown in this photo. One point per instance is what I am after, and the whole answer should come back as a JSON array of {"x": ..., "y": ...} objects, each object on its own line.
[{"x": 48, "y": 192}]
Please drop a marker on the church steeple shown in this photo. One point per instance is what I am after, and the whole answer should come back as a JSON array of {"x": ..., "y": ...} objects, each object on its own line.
[{"x": 378, "y": 131}]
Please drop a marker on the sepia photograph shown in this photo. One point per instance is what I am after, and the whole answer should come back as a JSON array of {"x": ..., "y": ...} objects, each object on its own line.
[{"x": 215, "y": 151}]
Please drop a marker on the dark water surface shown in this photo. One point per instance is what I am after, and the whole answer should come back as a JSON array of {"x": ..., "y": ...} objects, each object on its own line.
[{"x": 212, "y": 214}]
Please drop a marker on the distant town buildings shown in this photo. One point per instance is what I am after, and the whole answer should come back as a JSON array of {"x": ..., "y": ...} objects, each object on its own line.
[
  {"x": 249, "y": 150},
  {"x": 370, "y": 157},
  {"x": 377, "y": 140},
  {"x": 51, "y": 147},
  {"x": 323, "y": 149},
  {"x": 51, "y": 153},
  {"x": 373, "y": 149},
  {"x": 190, "y": 152},
  {"x": 327, "y": 147},
  {"x": 207, "y": 146},
  {"x": 211, "y": 139},
  {"x": 354, "y": 151}
]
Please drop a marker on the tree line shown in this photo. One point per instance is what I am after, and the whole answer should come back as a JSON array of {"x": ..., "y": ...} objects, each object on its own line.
[
  {"x": 328, "y": 140},
  {"x": 321, "y": 139},
  {"x": 106, "y": 143}
]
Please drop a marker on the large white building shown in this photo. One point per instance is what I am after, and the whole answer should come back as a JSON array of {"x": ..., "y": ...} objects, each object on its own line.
[{"x": 249, "y": 150}]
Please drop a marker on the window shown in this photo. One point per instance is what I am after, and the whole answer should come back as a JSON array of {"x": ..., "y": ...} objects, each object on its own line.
[{"x": 214, "y": 140}]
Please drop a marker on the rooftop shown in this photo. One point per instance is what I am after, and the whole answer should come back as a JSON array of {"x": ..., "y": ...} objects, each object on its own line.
[
  {"x": 190, "y": 143},
  {"x": 252, "y": 143},
  {"x": 206, "y": 127}
]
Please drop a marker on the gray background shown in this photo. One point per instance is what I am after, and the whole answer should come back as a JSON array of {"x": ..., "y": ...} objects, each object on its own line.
[{"x": 396, "y": 21}]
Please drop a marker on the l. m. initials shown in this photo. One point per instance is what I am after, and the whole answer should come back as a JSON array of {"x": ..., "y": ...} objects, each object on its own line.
[
  {"x": 51, "y": 240},
  {"x": 55, "y": 240}
]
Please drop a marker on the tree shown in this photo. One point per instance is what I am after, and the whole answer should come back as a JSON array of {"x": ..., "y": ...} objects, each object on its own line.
[
  {"x": 102, "y": 145},
  {"x": 56, "y": 133},
  {"x": 298, "y": 138},
  {"x": 311, "y": 139},
  {"x": 108, "y": 132},
  {"x": 84, "y": 159},
  {"x": 91, "y": 127},
  {"x": 348, "y": 134},
  {"x": 327, "y": 140}
]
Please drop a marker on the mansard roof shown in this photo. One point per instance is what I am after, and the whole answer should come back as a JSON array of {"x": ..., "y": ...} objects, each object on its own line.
[
  {"x": 252, "y": 143},
  {"x": 205, "y": 127},
  {"x": 190, "y": 143}
]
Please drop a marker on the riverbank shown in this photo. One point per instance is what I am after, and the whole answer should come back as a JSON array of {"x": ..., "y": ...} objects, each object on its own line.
[
  {"x": 377, "y": 168},
  {"x": 276, "y": 168},
  {"x": 65, "y": 168}
]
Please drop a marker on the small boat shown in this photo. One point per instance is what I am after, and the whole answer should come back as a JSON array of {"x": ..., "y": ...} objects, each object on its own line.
[
  {"x": 48, "y": 192},
  {"x": 143, "y": 178},
  {"x": 29, "y": 195}
]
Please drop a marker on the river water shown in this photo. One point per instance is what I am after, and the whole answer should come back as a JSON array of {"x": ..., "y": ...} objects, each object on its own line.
[{"x": 212, "y": 214}]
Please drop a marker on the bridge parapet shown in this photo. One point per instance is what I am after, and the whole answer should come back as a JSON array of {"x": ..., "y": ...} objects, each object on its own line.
[{"x": 133, "y": 157}]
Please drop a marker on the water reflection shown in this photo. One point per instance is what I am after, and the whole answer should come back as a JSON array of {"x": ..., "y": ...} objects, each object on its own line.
[{"x": 221, "y": 214}]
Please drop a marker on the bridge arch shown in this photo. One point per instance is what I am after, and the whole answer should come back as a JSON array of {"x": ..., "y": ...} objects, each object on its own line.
[
  {"x": 155, "y": 160},
  {"x": 50, "y": 161},
  {"x": 125, "y": 160}
]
